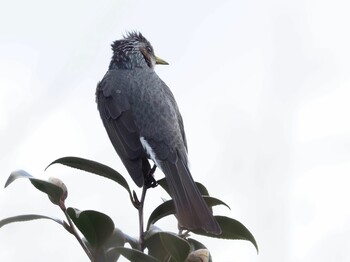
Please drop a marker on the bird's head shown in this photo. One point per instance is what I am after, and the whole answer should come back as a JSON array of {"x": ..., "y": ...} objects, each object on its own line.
[{"x": 134, "y": 50}]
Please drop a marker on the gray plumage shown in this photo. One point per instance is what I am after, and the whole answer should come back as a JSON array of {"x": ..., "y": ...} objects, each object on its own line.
[{"x": 143, "y": 122}]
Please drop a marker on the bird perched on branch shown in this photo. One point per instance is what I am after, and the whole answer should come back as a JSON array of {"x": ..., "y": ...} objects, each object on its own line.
[{"x": 143, "y": 122}]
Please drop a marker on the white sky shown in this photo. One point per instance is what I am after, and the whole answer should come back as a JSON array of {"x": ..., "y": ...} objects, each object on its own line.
[{"x": 264, "y": 90}]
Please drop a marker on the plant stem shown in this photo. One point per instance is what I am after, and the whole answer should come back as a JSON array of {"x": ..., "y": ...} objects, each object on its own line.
[
  {"x": 75, "y": 233},
  {"x": 140, "y": 209}
]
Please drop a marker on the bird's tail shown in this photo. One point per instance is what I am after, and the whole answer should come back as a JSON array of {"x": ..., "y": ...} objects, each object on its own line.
[{"x": 191, "y": 210}]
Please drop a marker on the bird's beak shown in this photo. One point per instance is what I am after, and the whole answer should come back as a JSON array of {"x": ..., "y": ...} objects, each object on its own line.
[{"x": 160, "y": 61}]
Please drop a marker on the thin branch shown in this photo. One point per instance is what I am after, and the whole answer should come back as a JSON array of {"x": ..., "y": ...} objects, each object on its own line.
[
  {"x": 140, "y": 209},
  {"x": 149, "y": 182},
  {"x": 75, "y": 233}
]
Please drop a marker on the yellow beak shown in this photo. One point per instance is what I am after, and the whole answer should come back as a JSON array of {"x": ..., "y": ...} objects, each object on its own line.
[{"x": 160, "y": 61}]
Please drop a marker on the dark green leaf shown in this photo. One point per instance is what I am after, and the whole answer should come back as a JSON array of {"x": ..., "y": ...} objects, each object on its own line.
[
  {"x": 152, "y": 231},
  {"x": 164, "y": 209},
  {"x": 133, "y": 254},
  {"x": 162, "y": 182},
  {"x": 116, "y": 240},
  {"x": 167, "y": 208},
  {"x": 53, "y": 191},
  {"x": 178, "y": 247},
  {"x": 231, "y": 229},
  {"x": 212, "y": 201},
  {"x": 29, "y": 217},
  {"x": 155, "y": 246},
  {"x": 93, "y": 167},
  {"x": 96, "y": 227},
  {"x": 166, "y": 246},
  {"x": 204, "y": 191}
]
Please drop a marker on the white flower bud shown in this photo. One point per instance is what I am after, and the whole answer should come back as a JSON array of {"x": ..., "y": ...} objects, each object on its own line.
[
  {"x": 199, "y": 255},
  {"x": 58, "y": 182}
]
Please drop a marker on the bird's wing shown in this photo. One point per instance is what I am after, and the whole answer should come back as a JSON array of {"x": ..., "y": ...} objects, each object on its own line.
[
  {"x": 181, "y": 124},
  {"x": 119, "y": 123},
  {"x": 178, "y": 114}
]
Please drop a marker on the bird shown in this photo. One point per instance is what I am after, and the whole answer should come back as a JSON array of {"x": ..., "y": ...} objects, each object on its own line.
[{"x": 143, "y": 122}]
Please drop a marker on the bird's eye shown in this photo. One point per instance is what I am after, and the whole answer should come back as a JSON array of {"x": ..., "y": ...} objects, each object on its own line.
[{"x": 149, "y": 49}]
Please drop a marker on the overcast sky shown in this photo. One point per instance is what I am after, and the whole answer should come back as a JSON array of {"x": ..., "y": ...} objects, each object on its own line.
[{"x": 264, "y": 90}]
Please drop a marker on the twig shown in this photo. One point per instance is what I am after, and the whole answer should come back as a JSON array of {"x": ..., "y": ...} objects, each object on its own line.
[
  {"x": 75, "y": 233},
  {"x": 140, "y": 209},
  {"x": 149, "y": 182}
]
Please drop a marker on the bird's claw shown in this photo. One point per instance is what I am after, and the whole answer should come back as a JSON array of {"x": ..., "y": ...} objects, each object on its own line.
[{"x": 149, "y": 178}]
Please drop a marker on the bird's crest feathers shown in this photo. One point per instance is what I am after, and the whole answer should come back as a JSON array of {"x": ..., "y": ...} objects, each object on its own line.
[
  {"x": 135, "y": 35},
  {"x": 129, "y": 39},
  {"x": 127, "y": 52}
]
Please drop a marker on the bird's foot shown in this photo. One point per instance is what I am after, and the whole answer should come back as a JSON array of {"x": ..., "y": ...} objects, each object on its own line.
[{"x": 149, "y": 178}]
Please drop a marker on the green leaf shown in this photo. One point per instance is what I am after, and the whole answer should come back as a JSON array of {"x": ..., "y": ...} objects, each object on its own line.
[
  {"x": 133, "y": 242},
  {"x": 133, "y": 254},
  {"x": 204, "y": 191},
  {"x": 231, "y": 229},
  {"x": 15, "y": 175},
  {"x": 178, "y": 247},
  {"x": 164, "y": 209},
  {"x": 162, "y": 182},
  {"x": 155, "y": 246},
  {"x": 196, "y": 244},
  {"x": 166, "y": 246},
  {"x": 116, "y": 240},
  {"x": 212, "y": 201},
  {"x": 95, "y": 168},
  {"x": 29, "y": 217},
  {"x": 96, "y": 227},
  {"x": 54, "y": 192},
  {"x": 168, "y": 208}
]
